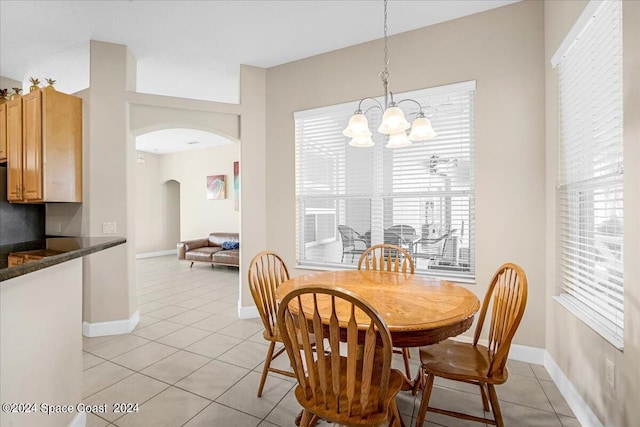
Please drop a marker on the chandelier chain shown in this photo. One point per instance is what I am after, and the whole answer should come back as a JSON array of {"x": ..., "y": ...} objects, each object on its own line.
[{"x": 384, "y": 73}]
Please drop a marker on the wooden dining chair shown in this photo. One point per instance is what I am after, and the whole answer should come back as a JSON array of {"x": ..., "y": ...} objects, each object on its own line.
[
  {"x": 386, "y": 257},
  {"x": 474, "y": 363},
  {"x": 353, "y": 389},
  {"x": 266, "y": 272}
]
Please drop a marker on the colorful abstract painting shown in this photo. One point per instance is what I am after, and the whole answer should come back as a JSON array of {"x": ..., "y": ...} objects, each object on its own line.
[
  {"x": 236, "y": 184},
  {"x": 216, "y": 187}
]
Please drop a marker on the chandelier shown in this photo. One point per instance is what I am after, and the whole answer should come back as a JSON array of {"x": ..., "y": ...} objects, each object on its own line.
[{"x": 394, "y": 124}]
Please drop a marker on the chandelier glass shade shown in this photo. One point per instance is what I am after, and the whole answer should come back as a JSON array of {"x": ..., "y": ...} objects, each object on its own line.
[{"x": 394, "y": 124}]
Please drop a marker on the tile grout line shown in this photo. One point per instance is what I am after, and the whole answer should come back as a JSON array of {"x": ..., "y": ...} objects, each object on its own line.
[{"x": 549, "y": 400}]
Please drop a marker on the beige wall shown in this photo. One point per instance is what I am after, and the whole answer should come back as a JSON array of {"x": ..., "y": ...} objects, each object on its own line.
[
  {"x": 7, "y": 83},
  {"x": 198, "y": 215},
  {"x": 41, "y": 343},
  {"x": 253, "y": 173},
  {"x": 503, "y": 51},
  {"x": 580, "y": 352},
  {"x": 157, "y": 207},
  {"x": 109, "y": 293},
  {"x": 149, "y": 118}
]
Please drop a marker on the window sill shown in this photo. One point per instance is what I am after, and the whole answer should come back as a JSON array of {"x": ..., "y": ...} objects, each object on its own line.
[
  {"x": 582, "y": 313},
  {"x": 453, "y": 279}
]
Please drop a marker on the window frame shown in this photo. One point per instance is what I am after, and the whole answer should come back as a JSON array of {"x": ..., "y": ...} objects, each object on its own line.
[
  {"x": 467, "y": 276},
  {"x": 580, "y": 194}
]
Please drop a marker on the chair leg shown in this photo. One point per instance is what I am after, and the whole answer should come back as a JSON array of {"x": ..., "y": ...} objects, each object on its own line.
[
  {"x": 306, "y": 418},
  {"x": 405, "y": 357},
  {"x": 418, "y": 382},
  {"x": 396, "y": 418},
  {"x": 424, "y": 403},
  {"x": 265, "y": 370},
  {"x": 485, "y": 399},
  {"x": 191, "y": 264},
  {"x": 495, "y": 406}
]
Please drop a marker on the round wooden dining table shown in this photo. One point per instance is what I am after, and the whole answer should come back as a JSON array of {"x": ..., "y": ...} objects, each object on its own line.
[{"x": 418, "y": 310}]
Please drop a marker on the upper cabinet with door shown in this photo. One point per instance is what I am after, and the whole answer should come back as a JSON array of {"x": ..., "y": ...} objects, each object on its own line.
[
  {"x": 3, "y": 133},
  {"x": 44, "y": 148}
]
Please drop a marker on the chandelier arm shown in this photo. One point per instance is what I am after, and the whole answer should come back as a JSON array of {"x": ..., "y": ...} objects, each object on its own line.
[
  {"x": 373, "y": 107},
  {"x": 420, "y": 113},
  {"x": 373, "y": 99}
]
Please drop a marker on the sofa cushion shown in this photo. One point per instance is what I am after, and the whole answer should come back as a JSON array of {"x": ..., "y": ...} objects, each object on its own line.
[
  {"x": 227, "y": 257},
  {"x": 217, "y": 239},
  {"x": 202, "y": 254}
]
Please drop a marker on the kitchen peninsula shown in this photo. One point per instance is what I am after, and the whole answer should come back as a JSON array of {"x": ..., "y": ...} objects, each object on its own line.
[{"x": 41, "y": 326}]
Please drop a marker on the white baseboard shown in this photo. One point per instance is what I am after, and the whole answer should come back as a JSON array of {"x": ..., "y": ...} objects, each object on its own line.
[
  {"x": 248, "y": 312},
  {"x": 114, "y": 327},
  {"x": 155, "y": 254},
  {"x": 527, "y": 354},
  {"x": 580, "y": 408},
  {"x": 80, "y": 420}
]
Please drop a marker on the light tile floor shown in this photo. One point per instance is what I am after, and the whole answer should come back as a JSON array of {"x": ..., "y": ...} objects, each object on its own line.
[{"x": 192, "y": 362}]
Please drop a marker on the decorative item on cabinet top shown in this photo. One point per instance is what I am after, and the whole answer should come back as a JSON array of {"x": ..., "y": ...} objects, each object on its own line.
[
  {"x": 44, "y": 147},
  {"x": 35, "y": 84},
  {"x": 16, "y": 93}
]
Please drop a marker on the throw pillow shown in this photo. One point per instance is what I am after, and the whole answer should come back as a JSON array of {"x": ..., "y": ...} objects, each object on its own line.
[{"x": 230, "y": 245}]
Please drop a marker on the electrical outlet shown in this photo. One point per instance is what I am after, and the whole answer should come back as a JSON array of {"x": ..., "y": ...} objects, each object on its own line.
[
  {"x": 108, "y": 228},
  {"x": 59, "y": 227},
  {"x": 611, "y": 373}
]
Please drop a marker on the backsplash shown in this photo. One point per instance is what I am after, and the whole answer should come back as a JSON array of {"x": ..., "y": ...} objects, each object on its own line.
[{"x": 18, "y": 222}]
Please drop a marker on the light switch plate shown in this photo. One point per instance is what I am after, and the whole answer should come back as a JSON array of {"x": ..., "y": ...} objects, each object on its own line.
[
  {"x": 611, "y": 373},
  {"x": 108, "y": 228}
]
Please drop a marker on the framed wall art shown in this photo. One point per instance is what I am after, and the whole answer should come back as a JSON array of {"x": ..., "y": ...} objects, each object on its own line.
[
  {"x": 216, "y": 189},
  {"x": 236, "y": 185}
]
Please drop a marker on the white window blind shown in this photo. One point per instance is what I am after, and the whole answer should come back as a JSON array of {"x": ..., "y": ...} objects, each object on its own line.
[
  {"x": 590, "y": 190},
  {"x": 420, "y": 197}
]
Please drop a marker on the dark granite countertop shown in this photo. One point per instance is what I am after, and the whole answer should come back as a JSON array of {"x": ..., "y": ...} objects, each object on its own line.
[{"x": 38, "y": 254}]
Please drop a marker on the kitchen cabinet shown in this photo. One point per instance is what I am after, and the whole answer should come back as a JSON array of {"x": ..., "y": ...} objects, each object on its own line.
[
  {"x": 44, "y": 148},
  {"x": 3, "y": 133},
  {"x": 14, "y": 149}
]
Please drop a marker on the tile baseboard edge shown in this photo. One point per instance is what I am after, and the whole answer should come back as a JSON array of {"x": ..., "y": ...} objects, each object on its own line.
[
  {"x": 114, "y": 327},
  {"x": 156, "y": 254},
  {"x": 248, "y": 312},
  {"x": 80, "y": 420},
  {"x": 580, "y": 408}
]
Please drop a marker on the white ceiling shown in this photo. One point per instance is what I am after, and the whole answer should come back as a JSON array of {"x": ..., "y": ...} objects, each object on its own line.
[
  {"x": 175, "y": 140},
  {"x": 193, "y": 49}
]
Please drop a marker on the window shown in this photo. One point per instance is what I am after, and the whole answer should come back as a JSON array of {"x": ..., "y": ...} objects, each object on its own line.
[
  {"x": 420, "y": 197},
  {"x": 590, "y": 192}
]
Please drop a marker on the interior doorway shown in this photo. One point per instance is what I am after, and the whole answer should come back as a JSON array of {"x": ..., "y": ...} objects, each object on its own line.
[{"x": 172, "y": 210}]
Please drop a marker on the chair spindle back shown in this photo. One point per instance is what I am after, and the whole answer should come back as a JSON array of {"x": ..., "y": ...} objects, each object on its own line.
[
  {"x": 326, "y": 380},
  {"x": 386, "y": 257},
  {"x": 266, "y": 272},
  {"x": 508, "y": 289}
]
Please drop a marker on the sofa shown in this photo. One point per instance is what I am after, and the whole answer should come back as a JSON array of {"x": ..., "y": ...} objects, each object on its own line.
[{"x": 210, "y": 250}]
